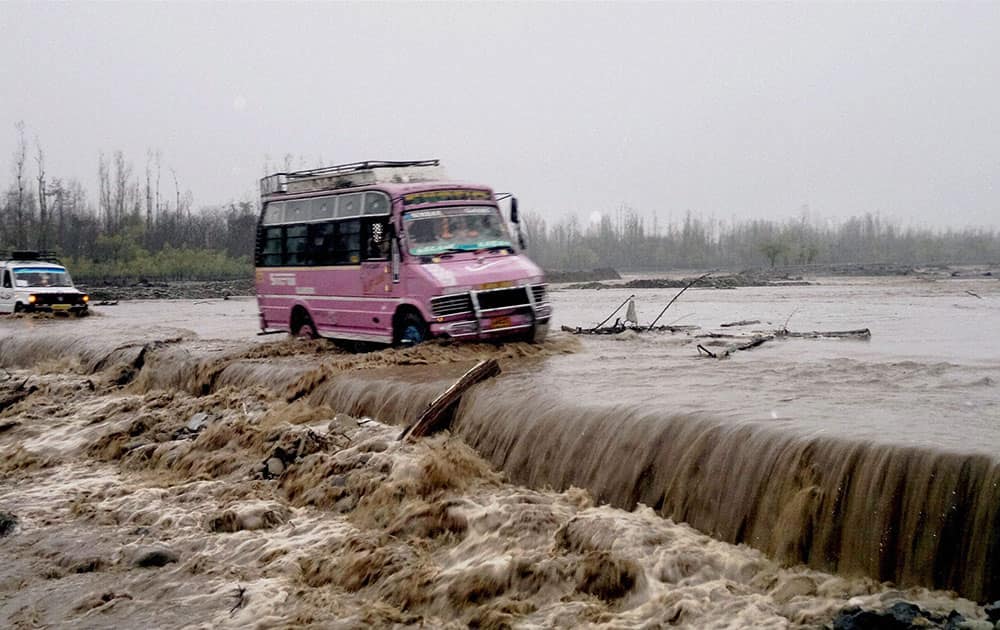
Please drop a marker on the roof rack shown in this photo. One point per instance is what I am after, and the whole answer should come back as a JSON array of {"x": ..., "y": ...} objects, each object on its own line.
[
  {"x": 351, "y": 174},
  {"x": 25, "y": 255}
]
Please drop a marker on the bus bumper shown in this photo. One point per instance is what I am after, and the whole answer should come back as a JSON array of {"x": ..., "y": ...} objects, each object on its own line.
[{"x": 522, "y": 325}]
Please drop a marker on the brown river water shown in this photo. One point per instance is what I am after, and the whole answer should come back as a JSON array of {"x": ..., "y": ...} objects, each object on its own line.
[{"x": 614, "y": 481}]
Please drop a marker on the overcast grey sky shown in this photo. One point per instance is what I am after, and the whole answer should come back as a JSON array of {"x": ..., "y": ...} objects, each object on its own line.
[{"x": 730, "y": 110}]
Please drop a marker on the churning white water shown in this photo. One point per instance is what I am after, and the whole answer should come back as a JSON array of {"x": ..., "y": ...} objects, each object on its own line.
[{"x": 170, "y": 467}]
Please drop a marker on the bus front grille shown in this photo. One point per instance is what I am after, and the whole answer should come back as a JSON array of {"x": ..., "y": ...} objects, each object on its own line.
[
  {"x": 538, "y": 292},
  {"x": 502, "y": 298},
  {"x": 455, "y": 304}
]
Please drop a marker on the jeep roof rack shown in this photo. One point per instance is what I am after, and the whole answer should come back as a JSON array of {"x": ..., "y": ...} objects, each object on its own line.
[
  {"x": 26, "y": 255},
  {"x": 351, "y": 174}
]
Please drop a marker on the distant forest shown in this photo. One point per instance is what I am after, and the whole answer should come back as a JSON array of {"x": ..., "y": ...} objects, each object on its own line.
[
  {"x": 625, "y": 241},
  {"x": 142, "y": 224}
]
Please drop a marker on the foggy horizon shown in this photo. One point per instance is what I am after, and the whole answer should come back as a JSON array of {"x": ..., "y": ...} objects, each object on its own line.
[{"x": 724, "y": 110}]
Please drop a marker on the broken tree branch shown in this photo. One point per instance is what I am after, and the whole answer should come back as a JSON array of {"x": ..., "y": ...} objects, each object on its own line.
[
  {"x": 742, "y": 322},
  {"x": 784, "y": 326},
  {"x": 613, "y": 312},
  {"x": 436, "y": 416},
  {"x": 686, "y": 287},
  {"x": 240, "y": 596},
  {"x": 861, "y": 333},
  {"x": 756, "y": 341}
]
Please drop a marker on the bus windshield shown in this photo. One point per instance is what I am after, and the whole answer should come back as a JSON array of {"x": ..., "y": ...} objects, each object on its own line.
[
  {"x": 444, "y": 230},
  {"x": 41, "y": 277}
]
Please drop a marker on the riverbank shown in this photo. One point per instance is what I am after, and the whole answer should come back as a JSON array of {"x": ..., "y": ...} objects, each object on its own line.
[
  {"x": 174, "y": 290},
  {"x": 580, "y": 279}
]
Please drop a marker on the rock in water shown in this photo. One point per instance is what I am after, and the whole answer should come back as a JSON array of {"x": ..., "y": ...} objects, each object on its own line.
[
  {"x": 993, "y": 611},
  {"x": 155, "y": 557},
  {"x": 899, "y": 616},
  {"x": 198, "y": 421},
  {"x": 7, "y": 523},
  {"x": 275, "y": 466}
]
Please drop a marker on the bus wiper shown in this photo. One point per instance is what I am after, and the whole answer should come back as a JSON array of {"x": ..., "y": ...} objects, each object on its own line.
[{"x": 452, "y": 250}]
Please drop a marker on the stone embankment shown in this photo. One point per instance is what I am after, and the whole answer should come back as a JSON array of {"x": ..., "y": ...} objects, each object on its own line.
[{"x": 186, "y": 290}]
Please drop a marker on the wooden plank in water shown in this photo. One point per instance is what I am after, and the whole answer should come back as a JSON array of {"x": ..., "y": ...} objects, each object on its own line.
[{"x": 435, "y": 418}]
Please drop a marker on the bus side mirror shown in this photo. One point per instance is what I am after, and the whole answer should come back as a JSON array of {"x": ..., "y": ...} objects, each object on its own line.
[{"x": 516, "y": 220}]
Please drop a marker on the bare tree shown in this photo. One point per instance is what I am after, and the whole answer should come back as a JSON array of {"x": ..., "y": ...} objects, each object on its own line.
[
  {"x": 20, "y": 157},
  {"x": 149, "y": 191},
  {"x": 104, "y": 193},
  {"x": 43, "y": 215},
  {"x": 158, "y": 170},
  {"x": 55, "y": 189},
  {"x": 177, "y": 191},
  {"x": 123, "y": 175}
]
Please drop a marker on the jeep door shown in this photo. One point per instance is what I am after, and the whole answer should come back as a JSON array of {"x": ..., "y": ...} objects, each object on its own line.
[{"x": 6, "y": 292}]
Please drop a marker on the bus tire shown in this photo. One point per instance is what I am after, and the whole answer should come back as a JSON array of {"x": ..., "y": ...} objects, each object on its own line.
[
  {"x": 302, "y": 325},
  {"x": 410, "y": 329}
]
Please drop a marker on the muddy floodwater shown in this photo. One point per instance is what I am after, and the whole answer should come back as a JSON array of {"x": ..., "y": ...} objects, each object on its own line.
[{"x": 164, "y": 466}]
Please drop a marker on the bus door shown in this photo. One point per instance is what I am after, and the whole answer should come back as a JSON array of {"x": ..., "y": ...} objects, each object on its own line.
[
  {"x": 376, "y": 267},
  {"x": 376, "y": 274}
]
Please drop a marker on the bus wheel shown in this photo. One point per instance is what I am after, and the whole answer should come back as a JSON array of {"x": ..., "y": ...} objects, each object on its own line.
[
  {"x": 304, "y": 328},
  {"x": 410, "y": 330}
]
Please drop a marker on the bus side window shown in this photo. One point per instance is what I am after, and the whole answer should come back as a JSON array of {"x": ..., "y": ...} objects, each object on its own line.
[
  {"x": 271, "y": 252},
  {"x": 349, "y": 205},
  {"x": 349, "y": 242},
  {"x": 376, "y": 203},
  {"x": 6, "y": 279},
  {"x": 296, "y": 245},
  {"x": 298, "y": 210},
  {"x": 323, "y": 243},
  {"x": 376, "y": 239}
]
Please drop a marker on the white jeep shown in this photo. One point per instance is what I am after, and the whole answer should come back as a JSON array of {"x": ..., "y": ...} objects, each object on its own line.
[{"x": 35, "y": 281}]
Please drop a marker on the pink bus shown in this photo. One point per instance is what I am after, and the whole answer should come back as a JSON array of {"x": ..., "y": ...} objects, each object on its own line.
[{"x": 392, "y": 253}]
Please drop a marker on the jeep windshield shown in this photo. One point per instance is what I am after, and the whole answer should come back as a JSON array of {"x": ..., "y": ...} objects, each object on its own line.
[
  {"x": 455, "y": 230},
  {"x": 37, "y": 277}
]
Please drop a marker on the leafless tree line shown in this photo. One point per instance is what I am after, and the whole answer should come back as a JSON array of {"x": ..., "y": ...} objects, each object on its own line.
[
  {"x": 145, "y": 211},
  {"x": 626, "y": 241},
  {"x": 135, "y": 212}
]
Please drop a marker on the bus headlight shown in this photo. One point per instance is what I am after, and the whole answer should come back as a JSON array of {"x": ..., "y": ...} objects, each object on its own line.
[
  {"x": 32, "y": 299},
  {"x": 85, "y": 298}
]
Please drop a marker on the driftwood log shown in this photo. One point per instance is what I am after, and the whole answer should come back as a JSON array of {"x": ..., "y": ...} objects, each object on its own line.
[
  {"x": 440, "y": 412},
  {"x": 861, "y": 333},
  {"x": 742, "y": 322},
  {"x": 756, "y": 341},
  {"x": 619, "y": 328}
]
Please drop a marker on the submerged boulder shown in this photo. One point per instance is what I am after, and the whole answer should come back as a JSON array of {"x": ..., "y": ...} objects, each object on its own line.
[
  {"x": 902, "y": 616},
  {"x": 155, "y": 556},
  {"x": 7, "y": 523},
  {"x": 993, "y": 611}
]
